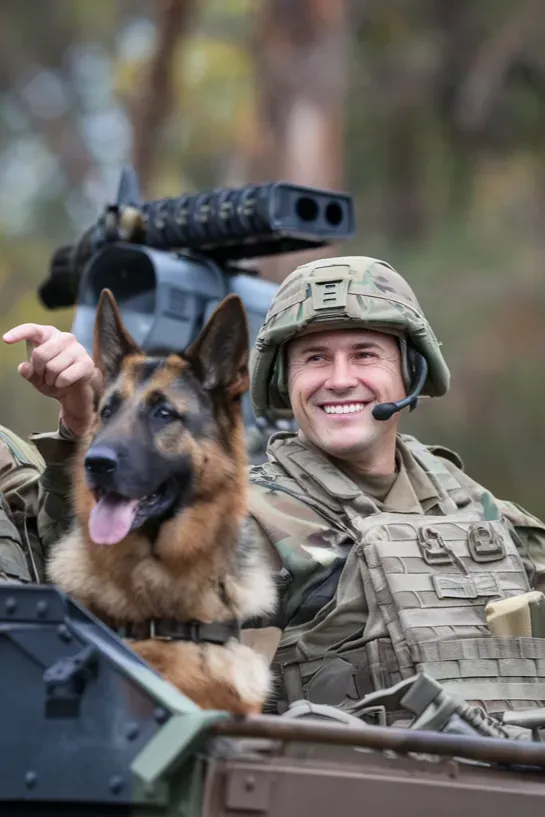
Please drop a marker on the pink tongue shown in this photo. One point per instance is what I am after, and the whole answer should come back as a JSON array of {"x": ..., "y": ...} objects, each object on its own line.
[{"x": 111, "y": 520}]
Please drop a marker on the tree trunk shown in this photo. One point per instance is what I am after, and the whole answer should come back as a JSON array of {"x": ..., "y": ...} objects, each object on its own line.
[
  {"x": 155, "y": 102},
  {"x": 301, "y": 73}
]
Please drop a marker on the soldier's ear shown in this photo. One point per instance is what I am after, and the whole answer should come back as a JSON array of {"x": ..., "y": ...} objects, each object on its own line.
[
  {"x": 219, "y": 356},
  {"x": 112, "y": 342}
]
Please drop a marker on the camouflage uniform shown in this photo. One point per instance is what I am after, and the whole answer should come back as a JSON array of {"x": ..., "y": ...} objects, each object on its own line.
[
  {"x": 55, "y": 507},
  {"x": 35, "y": 496},
  {"x": 21, "y": 554},
  {"x": 367, "y": 599}
]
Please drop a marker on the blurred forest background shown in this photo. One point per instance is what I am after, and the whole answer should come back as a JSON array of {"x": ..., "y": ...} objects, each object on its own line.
[{"x": 430, "y": 112}]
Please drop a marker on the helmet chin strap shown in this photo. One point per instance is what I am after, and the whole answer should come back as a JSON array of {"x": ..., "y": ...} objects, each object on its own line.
[{"x": 383, "y": 411}]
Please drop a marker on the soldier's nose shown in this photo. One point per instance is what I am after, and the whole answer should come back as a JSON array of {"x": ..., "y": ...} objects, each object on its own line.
[{"x": 100, "y": 461}]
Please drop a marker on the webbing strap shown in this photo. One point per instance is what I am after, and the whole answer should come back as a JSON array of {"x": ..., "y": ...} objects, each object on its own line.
[
  {"x": 497, "y": 689},
  {"x": 475, "y": 649}
]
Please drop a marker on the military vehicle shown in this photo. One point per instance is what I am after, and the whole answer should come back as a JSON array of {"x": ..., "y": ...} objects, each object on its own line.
[{"x": 90, "y": 729}]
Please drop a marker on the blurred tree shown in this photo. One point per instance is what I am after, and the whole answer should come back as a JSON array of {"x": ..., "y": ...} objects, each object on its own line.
[
  {"x": 157, "y": 96},
  {"x": 431, "y": 113},
  {"x": 300, "y": 52}
]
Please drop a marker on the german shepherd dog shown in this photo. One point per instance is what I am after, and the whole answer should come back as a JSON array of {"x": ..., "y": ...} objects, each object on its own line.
[{"x": 160, "y": 542}]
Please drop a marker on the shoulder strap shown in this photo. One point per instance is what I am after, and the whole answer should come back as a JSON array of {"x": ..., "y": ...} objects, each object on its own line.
[
  {"x": 449, "y": 487},
  {"x": 317, "y": 480}
]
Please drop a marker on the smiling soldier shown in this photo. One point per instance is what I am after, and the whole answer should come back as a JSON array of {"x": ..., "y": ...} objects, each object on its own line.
[{"x": 392, "y": 558}]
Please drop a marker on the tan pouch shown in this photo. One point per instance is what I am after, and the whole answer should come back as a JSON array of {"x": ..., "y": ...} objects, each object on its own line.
[{"x": 518, "y": 616}]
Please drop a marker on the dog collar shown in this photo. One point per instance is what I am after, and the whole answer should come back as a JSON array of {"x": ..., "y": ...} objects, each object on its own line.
[{"x": 215, "y": 632}]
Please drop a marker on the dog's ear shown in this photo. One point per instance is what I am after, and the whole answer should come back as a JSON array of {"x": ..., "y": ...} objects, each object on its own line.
[
  {"x": 112, "y": 342},
  {"x": 219, "y": 356}
]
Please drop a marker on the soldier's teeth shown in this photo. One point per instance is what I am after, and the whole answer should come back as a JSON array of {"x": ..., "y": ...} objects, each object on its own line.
[{"x": 351, "y": 408}]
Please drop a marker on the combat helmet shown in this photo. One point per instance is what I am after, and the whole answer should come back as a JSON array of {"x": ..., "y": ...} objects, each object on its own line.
[{"x": 337, "y": 293}]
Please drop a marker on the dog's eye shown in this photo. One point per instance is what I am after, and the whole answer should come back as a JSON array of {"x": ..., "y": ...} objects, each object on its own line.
[
  {"x": 165, "y": 413},
  {"x": 106, "y": 412}
]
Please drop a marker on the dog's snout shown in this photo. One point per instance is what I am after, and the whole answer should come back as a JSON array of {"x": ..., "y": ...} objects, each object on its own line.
[{"x": 101, "y": 461}]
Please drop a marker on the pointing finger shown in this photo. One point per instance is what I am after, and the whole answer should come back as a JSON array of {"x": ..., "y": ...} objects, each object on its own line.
[{"x": 33, "y": 332}]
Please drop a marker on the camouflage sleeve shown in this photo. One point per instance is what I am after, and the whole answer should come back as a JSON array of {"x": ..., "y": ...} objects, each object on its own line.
[
  {"x": 309, "y": 551},
  {"x": 530, "y": 540},
  {"x": 14, "y": 566},
  {"x": 55, "y": 512},
  {"x": 21, "y": 554}
]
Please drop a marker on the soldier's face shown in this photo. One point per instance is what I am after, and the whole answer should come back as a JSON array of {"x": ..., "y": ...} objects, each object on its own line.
[{"x": 335, "y": 379}]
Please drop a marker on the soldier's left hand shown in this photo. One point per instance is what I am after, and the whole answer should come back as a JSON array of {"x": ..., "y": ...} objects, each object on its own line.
[{"x": 59, "y": 367}]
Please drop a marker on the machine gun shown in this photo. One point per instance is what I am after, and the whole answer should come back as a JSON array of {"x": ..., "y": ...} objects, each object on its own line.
[
  {"x": 88, "y": 728},
  {"x": 170, "y": 262}
]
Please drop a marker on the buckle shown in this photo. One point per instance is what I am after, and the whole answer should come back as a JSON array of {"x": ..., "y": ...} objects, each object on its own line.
[
  {"x": 485, "y": 544},
  {"x": 153, "y": 631},
  {"x": 433, "y": 547},
  {"x": 193, "y": 631}
]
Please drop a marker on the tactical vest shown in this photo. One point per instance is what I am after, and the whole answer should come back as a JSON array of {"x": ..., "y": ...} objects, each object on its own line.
[{"x": 424, "y": 580}]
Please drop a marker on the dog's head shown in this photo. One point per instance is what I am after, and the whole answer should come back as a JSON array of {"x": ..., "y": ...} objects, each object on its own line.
[{"x": 168, "y": 429}]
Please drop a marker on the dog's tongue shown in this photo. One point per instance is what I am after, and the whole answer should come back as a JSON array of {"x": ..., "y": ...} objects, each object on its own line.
[{"x": 111, "y": 519}]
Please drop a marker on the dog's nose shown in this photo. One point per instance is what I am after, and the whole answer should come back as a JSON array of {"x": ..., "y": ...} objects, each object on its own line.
[{"x": 100, "y": 461}]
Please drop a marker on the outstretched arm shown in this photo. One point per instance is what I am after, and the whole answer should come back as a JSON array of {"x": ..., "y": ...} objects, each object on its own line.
[{"x": 59, "y": 367}]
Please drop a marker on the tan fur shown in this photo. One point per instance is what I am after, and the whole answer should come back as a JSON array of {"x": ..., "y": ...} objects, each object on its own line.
[
  {"x": 190, "y": 572},
  {"x": 231, "y": 678}
]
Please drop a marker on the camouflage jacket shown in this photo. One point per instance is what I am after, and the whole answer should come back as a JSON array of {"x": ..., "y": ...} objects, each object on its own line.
[
  {"x": 312, "y": 539},
  {"x": 34, "y": 493},
  {"x": 54, "y": 508}
]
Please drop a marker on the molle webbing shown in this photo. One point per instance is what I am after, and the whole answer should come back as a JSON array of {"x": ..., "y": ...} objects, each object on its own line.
[
  {"x": 431, "y": 580},
  {"x": 499, "y": 673}
]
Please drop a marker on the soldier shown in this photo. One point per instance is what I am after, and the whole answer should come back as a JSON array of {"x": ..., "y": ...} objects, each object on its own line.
[
  {"x": 388, "y": 550},
  {"x": 30, "y": 515}
]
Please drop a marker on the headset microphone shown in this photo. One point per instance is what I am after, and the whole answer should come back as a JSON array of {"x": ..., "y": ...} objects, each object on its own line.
[{"x": 383, "y": 411}]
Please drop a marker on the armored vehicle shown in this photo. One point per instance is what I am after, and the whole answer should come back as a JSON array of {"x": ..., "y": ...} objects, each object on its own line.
[{"x": 90, "y": 729}]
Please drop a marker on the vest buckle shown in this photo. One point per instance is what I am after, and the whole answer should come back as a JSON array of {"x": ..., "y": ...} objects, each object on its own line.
[
  {"x": 433, "y": 547},
  {"x": 485, "y": 544}
]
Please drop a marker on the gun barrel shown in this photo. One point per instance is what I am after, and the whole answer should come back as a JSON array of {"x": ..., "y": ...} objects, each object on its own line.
[
  {"x": 225, "y": 224},
  {"x": 250, "y": 221}
]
